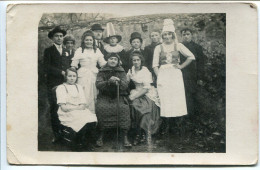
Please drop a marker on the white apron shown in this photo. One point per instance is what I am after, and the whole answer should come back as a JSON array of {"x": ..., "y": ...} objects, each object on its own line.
[
  {"x": 171, "y": 91},
  {"x": 76, "y": 119}
]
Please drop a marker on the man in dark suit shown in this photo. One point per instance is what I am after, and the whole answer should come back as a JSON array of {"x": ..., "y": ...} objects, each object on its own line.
[
  {"x": 193, "y": 75},
  {"x": 98, "y": 34},
  {"x": 55, "y": 64}
]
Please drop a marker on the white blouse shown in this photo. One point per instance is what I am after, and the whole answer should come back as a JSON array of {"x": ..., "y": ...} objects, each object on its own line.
[
  {"x": 87, "y": 60},
  {"x": 169, "y": 48},
  {"x": 143, "y": 79}
]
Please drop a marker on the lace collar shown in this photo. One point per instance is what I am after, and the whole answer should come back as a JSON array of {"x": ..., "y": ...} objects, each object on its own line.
[{"x": 114, "y": 49}]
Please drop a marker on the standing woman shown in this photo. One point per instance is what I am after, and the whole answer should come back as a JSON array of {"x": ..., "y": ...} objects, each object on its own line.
[
  {"x": 108, "y": 76},
  {"x": 88, "y": 56},
  {"x": 145, "y": 101},
  {"x": 169, "y": 76}
]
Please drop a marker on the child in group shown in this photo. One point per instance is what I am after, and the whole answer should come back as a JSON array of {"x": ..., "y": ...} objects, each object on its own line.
[
  {"x": 136, "y": 43},
  {"x": 75, "y": 118},
  {"x": 69, "y": 43},
  {"x": 112, "y": 46}
]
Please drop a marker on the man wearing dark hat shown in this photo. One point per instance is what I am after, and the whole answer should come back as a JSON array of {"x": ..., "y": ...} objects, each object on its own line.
[
  {"x": 55, "y": 64},
  {"x": 98, "y": 34},
  {"x": 136, "y": 43}
]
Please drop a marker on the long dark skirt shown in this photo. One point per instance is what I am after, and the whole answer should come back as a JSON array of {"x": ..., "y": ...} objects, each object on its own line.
[
  {"x": 106, "y": 111},
  {"x": 146, "y": 114}
]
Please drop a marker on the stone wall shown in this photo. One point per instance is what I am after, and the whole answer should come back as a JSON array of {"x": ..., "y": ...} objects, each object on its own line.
[{"x": 209, "y": 29}]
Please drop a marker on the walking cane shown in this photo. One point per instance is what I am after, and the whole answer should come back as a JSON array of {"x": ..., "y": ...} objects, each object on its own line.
[{"x": 117, "y": 113}]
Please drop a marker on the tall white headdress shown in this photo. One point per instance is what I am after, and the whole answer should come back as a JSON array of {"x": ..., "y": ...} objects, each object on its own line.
[{"x": 168, "y": 26}]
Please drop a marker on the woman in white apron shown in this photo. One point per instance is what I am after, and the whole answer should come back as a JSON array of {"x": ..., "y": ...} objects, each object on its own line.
[{"x": 166, "y": 66}]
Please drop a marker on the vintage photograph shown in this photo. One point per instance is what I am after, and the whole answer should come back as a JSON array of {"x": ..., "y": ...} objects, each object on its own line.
[
  {"x": 138, "y": 83},
  {"x": 134, "y": 84}
]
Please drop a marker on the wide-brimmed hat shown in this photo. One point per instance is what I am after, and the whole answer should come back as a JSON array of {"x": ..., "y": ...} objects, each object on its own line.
[
  {"x": 136, "y": 35},
  {"x": 68, "y": 38},
  {"x": 55, "y": 30},
  {"x": 111, "y": 33},
  {"x": 168, "y": 26},
  {"x": 96, "y": 27}
]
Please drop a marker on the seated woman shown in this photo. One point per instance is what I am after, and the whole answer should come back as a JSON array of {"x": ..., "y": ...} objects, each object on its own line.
[
  {"x": 72, "y": 112},
  {"x": 106, "y": 107},
  {"x": 145, "y": 101}
]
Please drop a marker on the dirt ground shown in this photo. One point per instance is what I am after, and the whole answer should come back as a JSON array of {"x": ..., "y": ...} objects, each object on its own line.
[{"x": 205, "y": 136}]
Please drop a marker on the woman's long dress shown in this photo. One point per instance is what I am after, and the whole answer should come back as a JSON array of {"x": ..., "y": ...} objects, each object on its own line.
[
  {"x": 146, "y": 112},
  {"x": 169, "y": 80},
  {"x": 87, "y": 73},
  {"x": 73, "y": 95},
  {"x": 106, "y": 107}
]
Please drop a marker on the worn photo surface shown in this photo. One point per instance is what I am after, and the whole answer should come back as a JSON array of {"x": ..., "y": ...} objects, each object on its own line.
[
  {"x": 202, "y": 129},
  {"x": 132, "y": 84}
]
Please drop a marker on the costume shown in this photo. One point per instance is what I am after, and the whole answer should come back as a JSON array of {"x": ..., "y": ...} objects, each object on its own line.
[
  {"x": 106, "y": 107},
  {"x": 73, "y": 95},
  {"x": 146, "y": 112},
  {"x": 87, "y": 73},
  {"x": 118, "y": 49},
  {"x": 169, "y": 80}
]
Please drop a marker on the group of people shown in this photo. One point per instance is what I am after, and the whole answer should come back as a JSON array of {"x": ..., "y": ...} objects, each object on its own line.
[{"x": 104, "y": 86}]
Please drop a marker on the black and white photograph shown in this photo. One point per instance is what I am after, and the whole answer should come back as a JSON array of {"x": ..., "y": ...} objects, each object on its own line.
[
  {"x": 132, "y": 84},
  {"x": 147, "y": 83}
]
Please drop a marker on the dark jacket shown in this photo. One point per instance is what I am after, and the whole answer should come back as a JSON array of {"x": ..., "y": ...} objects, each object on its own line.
[
  {"x": 71, "y": 53},
  {"x": 148, "y": 51},
  {"x": 54, "y": 64},
  {"x": 194, "y": 71},
  {"x": 101, "y": 47},
  {"x": 109, "y": 89}
]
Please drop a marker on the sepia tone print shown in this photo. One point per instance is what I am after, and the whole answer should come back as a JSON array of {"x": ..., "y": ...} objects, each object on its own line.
[{"x": 200, "y": 86}]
